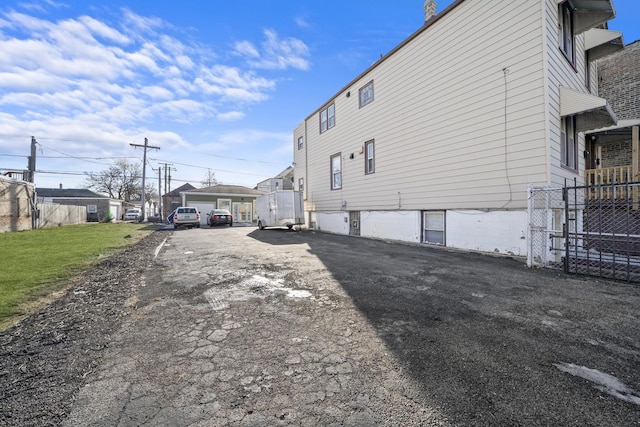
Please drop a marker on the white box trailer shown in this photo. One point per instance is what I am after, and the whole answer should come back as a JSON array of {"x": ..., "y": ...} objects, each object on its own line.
[{"x": 280, "y": 209}]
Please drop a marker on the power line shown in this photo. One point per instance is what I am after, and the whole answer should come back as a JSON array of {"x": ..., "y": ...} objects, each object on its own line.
[{"x": 204, "y": 167}]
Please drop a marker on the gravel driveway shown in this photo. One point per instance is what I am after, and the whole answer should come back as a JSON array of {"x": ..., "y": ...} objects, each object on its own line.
[{"x": 245, "y": 327}]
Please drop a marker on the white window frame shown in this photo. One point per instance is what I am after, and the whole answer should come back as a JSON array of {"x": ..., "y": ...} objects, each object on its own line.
[
  {"x": 369, "y": 157},
  {"x": 328, "y": 117},
  {"x": 224, "y": 204},
  {"x": 567, "y": 40},
  {"x": 331, "y": 111},
  {"x": 568, "y": 143},
  {"x": 300, "y": 143},
  {"x": 433, "y": 232},
  {"x": 366, "y": 94},
  {"x": 336, "y": 171}
]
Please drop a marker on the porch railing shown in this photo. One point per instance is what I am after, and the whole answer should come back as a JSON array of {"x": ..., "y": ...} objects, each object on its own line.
[{"x": 600, "y": 183}]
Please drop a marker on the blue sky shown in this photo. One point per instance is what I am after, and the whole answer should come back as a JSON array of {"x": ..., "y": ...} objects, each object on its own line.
[{"x": 218, "y": 86}]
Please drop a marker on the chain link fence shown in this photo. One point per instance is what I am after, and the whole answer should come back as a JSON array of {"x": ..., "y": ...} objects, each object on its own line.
[{"x": 592, "y": 230}]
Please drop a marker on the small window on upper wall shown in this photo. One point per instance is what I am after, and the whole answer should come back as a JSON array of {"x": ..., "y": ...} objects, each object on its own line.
[
  {"x": 366, "y": 94},
  {"x": 327, "y": 118},
  {"x": 300, "y": 143},
  {"x": 565, "y": 25},
  {"x": 369, "y": 157}
]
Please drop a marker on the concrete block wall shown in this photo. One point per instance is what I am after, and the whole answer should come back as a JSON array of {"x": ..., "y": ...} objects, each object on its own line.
[{"x": 15, "y": 205}]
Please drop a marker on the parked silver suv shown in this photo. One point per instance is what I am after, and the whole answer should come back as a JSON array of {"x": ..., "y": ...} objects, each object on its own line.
[{"x": 186, "y": 216}]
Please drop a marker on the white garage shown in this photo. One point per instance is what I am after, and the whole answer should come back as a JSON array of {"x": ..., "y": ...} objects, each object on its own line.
[
  {"x": 239, "y": 200},
  {"x": 203, "y": 208}
]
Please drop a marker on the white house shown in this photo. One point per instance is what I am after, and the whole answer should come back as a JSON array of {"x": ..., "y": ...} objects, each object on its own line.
[{"x": 438, "y": 141}]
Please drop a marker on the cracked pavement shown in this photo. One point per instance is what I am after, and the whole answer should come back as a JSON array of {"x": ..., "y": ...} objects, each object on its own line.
[{"x": 245, "y": 327}]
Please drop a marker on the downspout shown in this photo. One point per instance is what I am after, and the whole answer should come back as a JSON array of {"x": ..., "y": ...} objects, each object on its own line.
[
  {"x": 547, "y": 97},
  {"x": 307, "y": 188}
]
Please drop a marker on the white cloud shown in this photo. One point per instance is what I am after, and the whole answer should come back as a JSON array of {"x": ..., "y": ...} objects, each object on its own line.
[
  {"x": 246, "y": 48},
  {"x": 135, "y": 22},
  {"x": 99, "y": 28},
  {"x": 87, "y": 85},
  {"x": 276, "y": 54},
  {"x": 231, "y": 116},
  {"x": 302, "y": 22},
  {"x": 231, "y": 83}
]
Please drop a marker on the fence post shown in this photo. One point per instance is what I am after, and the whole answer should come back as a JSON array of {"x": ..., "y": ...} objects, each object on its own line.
[{"x": 565, "y": 226}]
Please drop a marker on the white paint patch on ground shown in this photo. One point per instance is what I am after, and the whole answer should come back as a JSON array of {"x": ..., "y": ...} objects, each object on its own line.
[
  {"x": 157, "y": 251},
  {"x": 254, "y": 287},
  {"x": 298, "y": 293},
  {"x": 605, "y": 382}
]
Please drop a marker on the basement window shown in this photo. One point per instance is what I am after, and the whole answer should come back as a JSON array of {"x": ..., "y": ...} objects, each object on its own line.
[{"x": 433, "y": 232}]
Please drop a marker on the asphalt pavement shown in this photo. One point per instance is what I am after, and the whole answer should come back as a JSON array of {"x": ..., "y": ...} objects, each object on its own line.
[{"x": 245, "y": 327}]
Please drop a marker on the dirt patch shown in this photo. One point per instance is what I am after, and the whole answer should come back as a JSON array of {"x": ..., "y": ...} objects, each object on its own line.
[{"x": 46, "y": 355}]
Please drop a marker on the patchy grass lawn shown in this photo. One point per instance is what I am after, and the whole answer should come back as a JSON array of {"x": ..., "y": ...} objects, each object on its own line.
[{"x": 36, "y": 263}]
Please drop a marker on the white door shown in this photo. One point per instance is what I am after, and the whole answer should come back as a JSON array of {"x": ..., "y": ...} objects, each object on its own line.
[{"x": 242, "y": 212}]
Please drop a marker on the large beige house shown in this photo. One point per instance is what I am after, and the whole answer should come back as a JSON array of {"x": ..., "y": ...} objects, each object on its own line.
[{"x": 439, "y": 140}]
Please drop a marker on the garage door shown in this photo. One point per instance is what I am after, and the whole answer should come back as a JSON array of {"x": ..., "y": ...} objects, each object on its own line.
[{"x": 203, "y": 208}]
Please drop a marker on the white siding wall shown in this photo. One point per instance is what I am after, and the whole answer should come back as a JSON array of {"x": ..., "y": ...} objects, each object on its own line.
[
  {"x": 465, "y": 115},
  {"x": 562, "y": 73},
  {"x": 438, "y": 118},
  {"x": 501, "y": 232}
]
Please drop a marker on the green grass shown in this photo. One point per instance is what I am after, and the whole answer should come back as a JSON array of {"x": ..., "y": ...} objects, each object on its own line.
[{"x": 36, "y": 263}]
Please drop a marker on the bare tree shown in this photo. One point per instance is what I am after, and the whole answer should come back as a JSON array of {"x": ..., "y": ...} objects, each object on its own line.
[
  {"x": 209, "y": 179},
  {"x": 121, "y": 181}
]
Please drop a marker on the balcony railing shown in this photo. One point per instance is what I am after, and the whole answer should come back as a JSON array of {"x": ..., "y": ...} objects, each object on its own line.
[{"x": 601, "y": 183}]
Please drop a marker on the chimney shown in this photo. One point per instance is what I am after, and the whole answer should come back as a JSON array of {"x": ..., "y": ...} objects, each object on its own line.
[{"x": 429, "y": 9}]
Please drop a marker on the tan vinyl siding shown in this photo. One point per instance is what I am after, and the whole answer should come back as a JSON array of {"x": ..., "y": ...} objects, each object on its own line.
[
  {"x": 438, "y": 118},
  {"x": 562, "y": 73}
]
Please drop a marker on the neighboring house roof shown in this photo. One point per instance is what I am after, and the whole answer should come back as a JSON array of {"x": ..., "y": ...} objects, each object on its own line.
[
  {"x": 176, "y": 192},
  {"x": 285, "y": 173},
  {"x": 79, "y": 193},
  {"x": 227, "y": 189}
]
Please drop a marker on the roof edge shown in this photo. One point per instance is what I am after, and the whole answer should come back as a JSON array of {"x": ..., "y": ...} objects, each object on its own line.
[{"x": 415, "y": 34}]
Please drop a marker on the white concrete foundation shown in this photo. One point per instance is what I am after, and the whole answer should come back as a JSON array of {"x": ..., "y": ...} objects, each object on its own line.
[{"x": 503, "y": 232}]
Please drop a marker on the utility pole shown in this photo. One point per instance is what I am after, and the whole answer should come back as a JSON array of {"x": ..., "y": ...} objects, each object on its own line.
[
  {"x": 31, "y": 165},
  {"x": 160, "y": 212},
  {"x": 167, "y": 179},
  {"x": 144, "y": 169}
]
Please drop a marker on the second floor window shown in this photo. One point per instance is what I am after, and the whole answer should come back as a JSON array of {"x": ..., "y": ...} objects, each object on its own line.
[
  {"x": 327, "y": 118},
  {"x": 336, "y": 171},
  {"x": 369, "y": 157},
  {"x": 300, "y": 143},
  {"x": 366, "y": 94},
  {"x": 567, "y": 41},
  {"x": 568, "y": 143}
]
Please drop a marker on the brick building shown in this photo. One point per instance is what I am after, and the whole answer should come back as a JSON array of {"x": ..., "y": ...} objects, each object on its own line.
[
  {"x": 619, "y": 81},
  {"x": 609, "y": 151}
]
